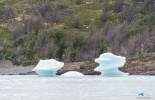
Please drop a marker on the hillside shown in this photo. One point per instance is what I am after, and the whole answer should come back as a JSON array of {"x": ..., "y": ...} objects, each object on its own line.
[{"x": 75, "y": 30}]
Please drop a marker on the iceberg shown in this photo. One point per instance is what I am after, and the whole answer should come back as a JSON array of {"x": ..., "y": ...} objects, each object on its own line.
[
  {"x": 72, "y": 73},
  {"x": 48, "y": 68},
  {"x": 109, "y": 63}
]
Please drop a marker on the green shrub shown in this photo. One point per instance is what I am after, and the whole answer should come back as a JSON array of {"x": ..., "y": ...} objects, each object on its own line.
[
  {"x": 35, "y": 61},
  {"x": 147, "y": 21},
  {"x": 61, "y": 49},
  {"x": 27, "y": 63},
  {"x": 72, "y": 56},
  {"x": 1, "y": 54},
  {"x": 78, "y": 2},
  {"x": 129, "y": 31},
  {"x": 8, "y": 54},
  {"x": 27, "y": 43},
  {"x": 82, "y": 66},
  {"x": 88, "y": 64},
  {"x": 78, "y": 40},
  {"x": 28, "y": 53},
  {"x": 30, "y": 62},
  {"x": 69, "y": 21},
  {"x": 18, "y": 42},
  {"x": 102, "y": 48},
  {"x": 132, "y": 32},
  {"x": 58, "y": 36}
]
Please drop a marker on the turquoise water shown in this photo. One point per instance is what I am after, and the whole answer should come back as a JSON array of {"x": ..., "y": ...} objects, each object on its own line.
[{"x": 76, "y": 88}]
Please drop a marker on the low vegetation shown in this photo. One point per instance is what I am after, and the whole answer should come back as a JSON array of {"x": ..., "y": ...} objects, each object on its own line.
[{"x": 75, "y": 30}]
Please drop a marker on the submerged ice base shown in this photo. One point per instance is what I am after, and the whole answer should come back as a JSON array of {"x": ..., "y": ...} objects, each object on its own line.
[
  {"x": 72, "y": 73},
  {"x": 48, "y": 68},
  {"x": 109, "y": 63}
]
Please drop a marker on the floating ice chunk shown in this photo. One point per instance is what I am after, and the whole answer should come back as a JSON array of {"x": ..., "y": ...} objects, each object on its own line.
[
  {"x": 109, "y": 63},
  {"x": 48, "y": 68},
  {"x": 72, "y": 73}
]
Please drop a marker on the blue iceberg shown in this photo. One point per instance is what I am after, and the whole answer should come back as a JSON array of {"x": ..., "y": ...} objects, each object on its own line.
[
  {"x": 48, "y": 68},
  {"x": 109, "y": 63}
]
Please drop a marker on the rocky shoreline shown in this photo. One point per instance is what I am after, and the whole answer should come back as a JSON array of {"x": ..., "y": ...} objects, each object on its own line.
[
  {"x": 142, "y": 65},
  {"x": 82, "y": 67}
]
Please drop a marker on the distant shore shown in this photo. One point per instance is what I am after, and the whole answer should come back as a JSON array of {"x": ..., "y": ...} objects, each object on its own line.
[
  {"x": 144, "y": 65},
  {"x": 6, "y": 68}
]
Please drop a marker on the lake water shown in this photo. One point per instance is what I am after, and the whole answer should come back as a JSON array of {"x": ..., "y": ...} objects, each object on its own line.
[{"x": 32, "y": 87}]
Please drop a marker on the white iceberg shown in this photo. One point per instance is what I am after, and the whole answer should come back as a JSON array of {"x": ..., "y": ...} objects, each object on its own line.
[
  {"x": 109, "y": 63},
  {"x": 72, "y": 74},
  {"x": 48, "y": 68}
]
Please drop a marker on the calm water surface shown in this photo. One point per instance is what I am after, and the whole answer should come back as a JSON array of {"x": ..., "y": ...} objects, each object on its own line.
[{"x": 77, "y": 88}]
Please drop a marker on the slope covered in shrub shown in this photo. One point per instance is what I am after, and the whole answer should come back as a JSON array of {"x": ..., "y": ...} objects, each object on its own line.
[{"x": 75, "y": 30}]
